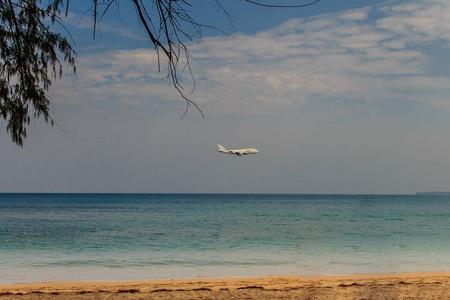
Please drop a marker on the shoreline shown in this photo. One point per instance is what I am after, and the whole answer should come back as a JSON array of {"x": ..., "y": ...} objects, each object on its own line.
[{"x": 423, "y": 285}]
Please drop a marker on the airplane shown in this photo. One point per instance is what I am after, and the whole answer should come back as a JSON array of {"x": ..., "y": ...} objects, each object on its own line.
[{"x": 239, "y": 152}]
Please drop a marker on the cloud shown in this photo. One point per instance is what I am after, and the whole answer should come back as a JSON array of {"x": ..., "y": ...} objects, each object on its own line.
[
  {"x": 303, "y": 63},
  {"x": 126, "y": 77},
  {"x": 418, "y": 21},
  {"x": 324, "y": 58},
  {"x": 116, "y": 25},
  {"x": 354, "y": 15}
]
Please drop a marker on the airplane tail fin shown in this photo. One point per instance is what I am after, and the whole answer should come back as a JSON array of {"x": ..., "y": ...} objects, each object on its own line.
[{"x": 221, "y": 148}]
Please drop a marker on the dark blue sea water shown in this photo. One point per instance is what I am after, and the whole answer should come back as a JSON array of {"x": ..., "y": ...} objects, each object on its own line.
[{"x": 62, "y": 237}]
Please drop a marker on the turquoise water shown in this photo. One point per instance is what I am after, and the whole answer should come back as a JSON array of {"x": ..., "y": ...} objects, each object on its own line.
[{"x": 62, "y": 237}]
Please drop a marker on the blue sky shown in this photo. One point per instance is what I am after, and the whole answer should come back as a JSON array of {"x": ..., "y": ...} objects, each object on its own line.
[{"x": 340, "y": 97}]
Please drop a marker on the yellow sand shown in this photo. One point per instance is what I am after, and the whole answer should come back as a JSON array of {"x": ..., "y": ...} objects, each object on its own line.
[{"x": 366, "y": 286}]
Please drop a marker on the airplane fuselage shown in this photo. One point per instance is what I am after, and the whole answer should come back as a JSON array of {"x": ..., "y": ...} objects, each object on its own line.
[{"x": 238, "y": 152}]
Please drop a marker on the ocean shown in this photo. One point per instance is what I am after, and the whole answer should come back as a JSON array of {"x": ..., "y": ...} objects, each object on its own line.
[{"x": 79, "y": 237}]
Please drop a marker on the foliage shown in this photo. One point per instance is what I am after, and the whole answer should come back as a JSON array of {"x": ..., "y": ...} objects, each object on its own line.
[{"x": 30, "y": 59}]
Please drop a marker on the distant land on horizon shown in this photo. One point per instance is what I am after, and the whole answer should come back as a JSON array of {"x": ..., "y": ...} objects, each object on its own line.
[{"x": 433, "y": 193}]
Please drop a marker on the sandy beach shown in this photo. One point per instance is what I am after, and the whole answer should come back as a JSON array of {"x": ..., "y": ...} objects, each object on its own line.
[{"x": 364, "y": 286}]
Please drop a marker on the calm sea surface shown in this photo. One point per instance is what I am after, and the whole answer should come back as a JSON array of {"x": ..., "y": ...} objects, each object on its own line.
[{"x": 62, "y": 237}]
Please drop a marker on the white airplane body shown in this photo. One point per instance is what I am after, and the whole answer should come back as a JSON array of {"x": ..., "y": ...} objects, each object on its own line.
[{"x": 239, "y": 152}]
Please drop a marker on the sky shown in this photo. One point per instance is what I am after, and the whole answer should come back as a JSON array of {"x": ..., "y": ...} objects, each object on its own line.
[{"x": 340, "y": 97}]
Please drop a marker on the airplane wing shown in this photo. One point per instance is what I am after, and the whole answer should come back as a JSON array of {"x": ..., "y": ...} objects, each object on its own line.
[{"x": 238, "y": 152}]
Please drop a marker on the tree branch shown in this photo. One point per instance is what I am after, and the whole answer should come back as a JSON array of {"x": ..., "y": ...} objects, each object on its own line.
[{"x": 282, "y": 6}]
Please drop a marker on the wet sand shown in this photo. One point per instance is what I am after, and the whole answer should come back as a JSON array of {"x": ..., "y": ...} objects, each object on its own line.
[{"x": 361, "y": 286}]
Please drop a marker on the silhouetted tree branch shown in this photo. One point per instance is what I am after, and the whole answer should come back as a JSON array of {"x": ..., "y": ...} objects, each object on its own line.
[{"x": 266, "y": 4}]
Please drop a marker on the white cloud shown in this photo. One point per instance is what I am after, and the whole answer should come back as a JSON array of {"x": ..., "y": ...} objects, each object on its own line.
[
  {"x": 332, "y": 57},
  {"x": 354, "y": 15},
  {"x": 85, "y": 21},
  {"x": 418, "y": 21}
]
